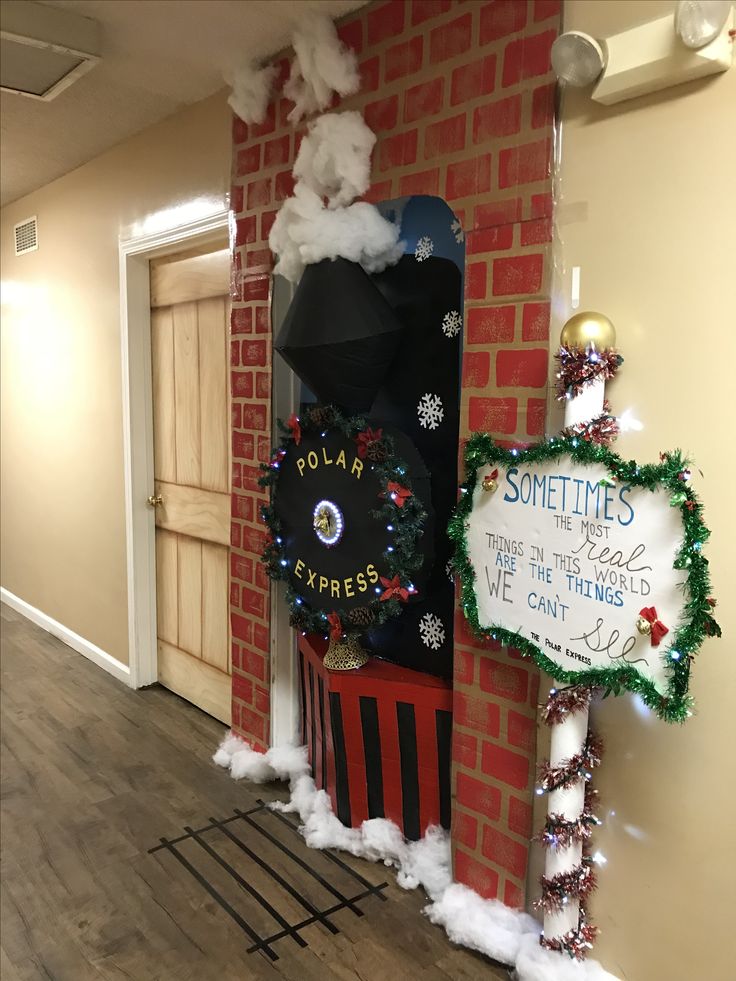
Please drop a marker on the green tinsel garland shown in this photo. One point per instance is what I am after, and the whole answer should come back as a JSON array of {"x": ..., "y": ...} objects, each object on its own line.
[
  {"x": 482, "y": 451},
  {"x": 408, "y": 522}
]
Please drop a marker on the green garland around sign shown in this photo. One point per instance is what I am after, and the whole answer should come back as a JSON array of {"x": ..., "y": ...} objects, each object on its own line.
[
  {"x": 397, "y": 506},
  {"x": 672, "y": 473}
]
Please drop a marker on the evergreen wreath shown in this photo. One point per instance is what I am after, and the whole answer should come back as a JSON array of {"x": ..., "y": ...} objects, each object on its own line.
[
  {"x": 396, "y": 505},
  {"x": 671, "y": 473}
]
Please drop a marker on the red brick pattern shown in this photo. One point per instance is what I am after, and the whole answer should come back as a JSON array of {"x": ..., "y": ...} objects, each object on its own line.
[{"x": 461, "y": 98}]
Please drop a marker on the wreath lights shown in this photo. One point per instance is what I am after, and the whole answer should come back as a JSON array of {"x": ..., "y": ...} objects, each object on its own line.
[
  {"x": 671, "y": 473},
  {"x": 397, "y": 506}
]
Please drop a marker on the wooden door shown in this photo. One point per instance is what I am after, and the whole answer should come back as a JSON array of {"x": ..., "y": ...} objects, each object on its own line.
[{"x": 189, "y": 347}]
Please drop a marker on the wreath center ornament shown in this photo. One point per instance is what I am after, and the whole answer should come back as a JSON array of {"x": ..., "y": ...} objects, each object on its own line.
[{"x": 328, "y": 523}]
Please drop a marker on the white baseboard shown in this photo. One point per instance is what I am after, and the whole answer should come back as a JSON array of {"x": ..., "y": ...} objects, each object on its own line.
[{"x": 101, "y": 658}]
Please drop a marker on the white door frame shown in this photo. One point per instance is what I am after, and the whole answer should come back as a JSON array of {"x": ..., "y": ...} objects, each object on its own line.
[
  {"x": 135, "y": 339},
  {"x": 285, "y": 682}
]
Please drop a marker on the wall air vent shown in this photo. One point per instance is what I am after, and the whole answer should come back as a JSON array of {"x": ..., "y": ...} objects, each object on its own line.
[
  {"x": 26, "y": 236},
  {"x": 43, "y": 49}
]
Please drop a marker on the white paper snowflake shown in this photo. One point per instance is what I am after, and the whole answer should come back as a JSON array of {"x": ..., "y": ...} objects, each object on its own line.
[
  {"x": 432, "y": 631},
  {"x": 424, "y": 249},
  {"x": 430, "y": 411},
  {"x": 457, "y": 230},
  {"x": 451, "y": 323}
]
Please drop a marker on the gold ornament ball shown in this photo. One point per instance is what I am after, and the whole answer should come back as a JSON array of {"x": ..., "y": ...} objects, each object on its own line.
[
  {"x": 588, "y": 328},
  {"x": 643, "y": 626},
  {"x": 489, "y": 484}
]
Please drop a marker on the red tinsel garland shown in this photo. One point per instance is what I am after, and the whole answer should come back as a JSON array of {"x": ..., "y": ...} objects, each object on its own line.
[
  {"x": 578, "y": 883},
  {"x": 580, "y": 368},
  {"x": 604, "y": 429},
  {"x": 559, "y": 833},
  {"x": 576, "y": 943},
  {"x": 564, "y": 702},
  {"x": 577, "y": 370},
  {"x": 573, "y": 769}
]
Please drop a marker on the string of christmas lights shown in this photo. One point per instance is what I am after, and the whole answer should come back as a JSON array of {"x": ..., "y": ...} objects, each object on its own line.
[
  {"x": 564, "y": 702},
  {"x": 576, "y": 767},
  {"x": 559, "y": 832},
  {"x": 579, "y": 368},
  {"x": 557, "y": 890},
  {"x": 603, "y": 429},
  {"x": 576, "y": 943}
]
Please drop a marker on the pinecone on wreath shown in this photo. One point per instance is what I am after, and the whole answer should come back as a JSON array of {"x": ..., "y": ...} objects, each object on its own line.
[
  {"x": 376, "y": 451},
  {"x": 361, "y": 616},
  {"x": 322, "y": 415}
]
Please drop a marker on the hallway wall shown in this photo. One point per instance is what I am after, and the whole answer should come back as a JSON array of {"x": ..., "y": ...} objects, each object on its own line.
[
  {"x": 62, "y": 489},
  {"x": 646, "y": 208}
]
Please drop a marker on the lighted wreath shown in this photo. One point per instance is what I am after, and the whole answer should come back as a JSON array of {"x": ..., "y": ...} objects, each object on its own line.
[
  {"x": 345, "y": 519},
  {"x": 644, "y": 608}
]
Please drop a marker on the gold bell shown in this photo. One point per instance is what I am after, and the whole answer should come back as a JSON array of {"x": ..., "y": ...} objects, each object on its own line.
[
  {"x": 490, "y": 484},
  {"x": 345, "y": 654},
  {"x": 643, "y": 626}
]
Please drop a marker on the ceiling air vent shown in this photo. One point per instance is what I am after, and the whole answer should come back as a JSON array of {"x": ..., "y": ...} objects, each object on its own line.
[{"x": 26, "y": 236}]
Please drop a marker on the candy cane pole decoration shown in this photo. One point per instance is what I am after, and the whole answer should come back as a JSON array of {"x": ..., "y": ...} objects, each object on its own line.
[{"x": 567, "y": 877}]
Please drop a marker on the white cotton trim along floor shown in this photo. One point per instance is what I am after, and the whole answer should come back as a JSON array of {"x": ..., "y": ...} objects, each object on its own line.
[{"x": 486, "y": 925}]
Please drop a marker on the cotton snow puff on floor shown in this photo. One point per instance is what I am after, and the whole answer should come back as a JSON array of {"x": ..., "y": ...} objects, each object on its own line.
[{"x": 486, "y": 925}]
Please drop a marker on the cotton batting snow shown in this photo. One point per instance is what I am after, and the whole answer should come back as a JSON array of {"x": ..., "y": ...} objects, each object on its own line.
[
  {"x": 534, "y": 963},
  {"x": 251, "y": 91},
  {"x": 305, "y": 231},
  {"x": 278, "y": 763},
  {"x": 322, "y": 65},
  {"x": 486, "y": 925},
  {"x": 334, "y": 158}
]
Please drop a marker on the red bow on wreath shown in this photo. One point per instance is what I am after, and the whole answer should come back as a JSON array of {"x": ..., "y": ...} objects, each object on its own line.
[
  {"x": 394, "y": 590},
  {"x": 657, "y": 628},
  {"x": 398, "y": 494},
  {"x": 367, "y": 436},
  {"x": 292, "y": 423},
  {"x": 335, "y": 626}
]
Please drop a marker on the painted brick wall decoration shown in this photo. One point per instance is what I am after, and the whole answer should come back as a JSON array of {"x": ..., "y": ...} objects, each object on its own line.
[{"x": 460, "y": 95}]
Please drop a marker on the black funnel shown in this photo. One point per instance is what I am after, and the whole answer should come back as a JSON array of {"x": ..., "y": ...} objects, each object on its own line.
[{"x": 340, "y": 335}]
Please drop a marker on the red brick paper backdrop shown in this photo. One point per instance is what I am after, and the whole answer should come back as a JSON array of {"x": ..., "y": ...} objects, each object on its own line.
[{"x": 460, "y": 95}]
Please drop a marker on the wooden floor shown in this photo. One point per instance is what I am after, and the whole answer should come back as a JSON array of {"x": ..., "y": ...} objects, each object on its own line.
[{"x": 93, "y": 775}]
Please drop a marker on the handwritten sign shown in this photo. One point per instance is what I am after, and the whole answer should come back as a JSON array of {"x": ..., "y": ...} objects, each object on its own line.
[{"x": 588, "y": 571}]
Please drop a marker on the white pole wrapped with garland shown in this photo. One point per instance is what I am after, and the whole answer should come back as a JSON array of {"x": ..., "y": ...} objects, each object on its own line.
[
  {"x": 568, "y": 876},
  {"x": 507, "y": 509}
]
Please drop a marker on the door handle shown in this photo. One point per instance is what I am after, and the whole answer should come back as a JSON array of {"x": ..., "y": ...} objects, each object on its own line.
[{"x": 155, "y": 500}]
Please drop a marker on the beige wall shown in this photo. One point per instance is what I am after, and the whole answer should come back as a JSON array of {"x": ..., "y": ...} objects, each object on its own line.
[
  {"x": 647, "y": 210},
  {"x": 63, "y": 522}
]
